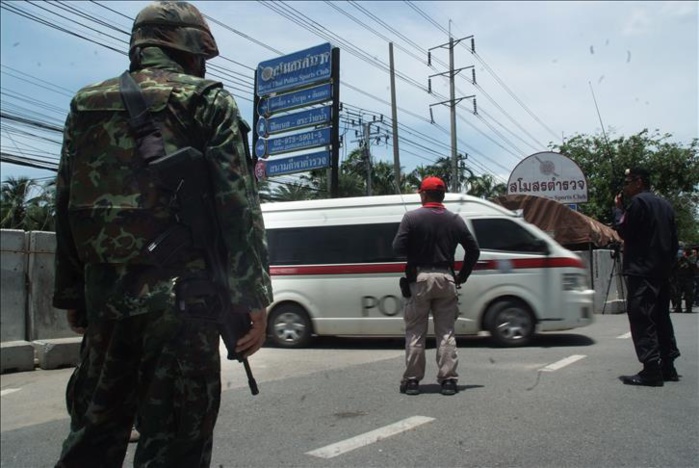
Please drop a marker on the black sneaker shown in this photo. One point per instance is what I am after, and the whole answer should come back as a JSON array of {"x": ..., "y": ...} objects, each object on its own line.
[
  {"x": 449, "y": 387},
  {"x": 410, "y": 387}
]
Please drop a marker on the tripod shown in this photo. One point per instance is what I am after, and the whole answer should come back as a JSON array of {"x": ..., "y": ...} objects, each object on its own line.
[{"x": 615, "y": 254}]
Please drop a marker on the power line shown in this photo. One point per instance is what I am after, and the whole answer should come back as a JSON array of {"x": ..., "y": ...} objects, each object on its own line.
[{"x": 240, "y": 81}]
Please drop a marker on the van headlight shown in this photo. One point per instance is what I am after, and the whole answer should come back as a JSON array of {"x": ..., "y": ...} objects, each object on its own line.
[{"x": 574, "y": 282}]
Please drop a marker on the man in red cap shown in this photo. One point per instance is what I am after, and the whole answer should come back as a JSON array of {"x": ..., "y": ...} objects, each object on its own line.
[{"x": 428, "y": 237}]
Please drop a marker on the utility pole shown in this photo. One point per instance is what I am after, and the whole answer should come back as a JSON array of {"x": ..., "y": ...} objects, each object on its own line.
[
  {"x": 453, "y": 100},
  {"x": 370, "y": 126},
  {"x": 394, "y": 115},
  {"x": 367, "y": 156}
]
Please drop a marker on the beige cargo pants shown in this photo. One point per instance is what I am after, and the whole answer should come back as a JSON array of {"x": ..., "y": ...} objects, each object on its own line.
[{"x": 433, "y": 291}]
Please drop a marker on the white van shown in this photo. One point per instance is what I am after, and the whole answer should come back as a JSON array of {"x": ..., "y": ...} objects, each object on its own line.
[{"x": 334, "y": 272}]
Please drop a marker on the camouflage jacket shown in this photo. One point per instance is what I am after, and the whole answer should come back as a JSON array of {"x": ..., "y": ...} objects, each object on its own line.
[{"x": 103, "y": 219}]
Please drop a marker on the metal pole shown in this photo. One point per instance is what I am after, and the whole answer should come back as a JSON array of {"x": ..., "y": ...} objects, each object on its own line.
[
  {"x": 452, "y": 96},
  {"x": 394, "y": 115},
  {"x": 367, "y": 156},
  {"x": 335, "y": 155}
]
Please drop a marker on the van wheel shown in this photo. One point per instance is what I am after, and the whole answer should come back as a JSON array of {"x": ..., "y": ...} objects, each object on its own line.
[
  {"x": 510, "y": 323},
  {"x": 289, "y": 326}
]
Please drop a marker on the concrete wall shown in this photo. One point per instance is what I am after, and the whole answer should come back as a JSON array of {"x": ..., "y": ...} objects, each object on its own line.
[
  {"x": 32, "y": 331},
  {"x": 606, "y": 280},
  {"x": 13, "y": 300},
  {"x": 45, "y": 322}
]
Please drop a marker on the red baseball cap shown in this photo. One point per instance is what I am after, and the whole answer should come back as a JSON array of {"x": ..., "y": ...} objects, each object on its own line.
[{"x": 432, "y": 183}]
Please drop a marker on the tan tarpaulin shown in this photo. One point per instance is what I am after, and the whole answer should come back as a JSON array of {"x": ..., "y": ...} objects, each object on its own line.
[{"x": 566, "y": 226}]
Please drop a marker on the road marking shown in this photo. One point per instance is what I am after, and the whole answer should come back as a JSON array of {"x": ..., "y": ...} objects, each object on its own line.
[
  {"x": 563, "y": 362},
  {"x": 333, "y": 450},
  {"x": 624, "y": 336},
  {"x": 7, "y": 391}
]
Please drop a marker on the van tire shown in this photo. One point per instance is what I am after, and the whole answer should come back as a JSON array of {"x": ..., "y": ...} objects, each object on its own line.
[
  {"x": 510, "y": 323},
  {"x": 289, "y": 326}
]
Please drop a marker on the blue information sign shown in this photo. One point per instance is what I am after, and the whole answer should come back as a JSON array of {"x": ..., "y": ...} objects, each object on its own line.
[
  {"x": 295, "y": 121},
  {"x": 294, "y": 70},
  {"x": 289, "y": 101},
  {"x": 293, "y": 100},
  {"x": 261, "y": 148},
  {"x": 302, "y": 163},
  {"x": 294, "y": 142}
]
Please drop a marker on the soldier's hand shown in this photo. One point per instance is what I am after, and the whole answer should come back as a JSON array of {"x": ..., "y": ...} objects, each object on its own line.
[
  {"x": 75, "y": 321},
  {"x": 255, "y": 338}
]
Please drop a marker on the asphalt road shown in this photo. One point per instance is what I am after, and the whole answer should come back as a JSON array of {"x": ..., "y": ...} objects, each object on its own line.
[{"x": 555, "y": 403}]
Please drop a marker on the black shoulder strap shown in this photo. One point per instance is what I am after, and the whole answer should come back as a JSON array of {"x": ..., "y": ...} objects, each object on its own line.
[{"x": 149, "y": 139}]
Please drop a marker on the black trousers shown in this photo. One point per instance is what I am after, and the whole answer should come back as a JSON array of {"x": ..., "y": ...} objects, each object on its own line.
[{"x": 648, "y": 308}]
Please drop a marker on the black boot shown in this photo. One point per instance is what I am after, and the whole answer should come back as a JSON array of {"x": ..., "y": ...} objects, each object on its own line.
[
  {"x": 670, "y": 373},
  {"x": 650, "y": 376}
]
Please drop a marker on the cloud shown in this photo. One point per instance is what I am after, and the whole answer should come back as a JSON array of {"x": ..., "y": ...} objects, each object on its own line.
[{"x": 639, "y": 22}]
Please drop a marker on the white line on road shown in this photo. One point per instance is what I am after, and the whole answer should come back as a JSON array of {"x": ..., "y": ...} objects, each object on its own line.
[
  {"x": 7, "y": 391},
  {"x": 563, "y": 362},
  {"x": 333, "y": 450},
  {"x": 624, "y": 336}
]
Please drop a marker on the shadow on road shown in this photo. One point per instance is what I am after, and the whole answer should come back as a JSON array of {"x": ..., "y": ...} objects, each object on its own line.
[
  {"x": 436, "y": 388},
  {"x": 561, "y": 340},
  {"x": 543, "y": 340}
]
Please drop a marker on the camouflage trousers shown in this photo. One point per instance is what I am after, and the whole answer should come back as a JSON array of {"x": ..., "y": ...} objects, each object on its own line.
[
  {"x": 161, "y": 369},
  {"x": 433, "y": 291}
]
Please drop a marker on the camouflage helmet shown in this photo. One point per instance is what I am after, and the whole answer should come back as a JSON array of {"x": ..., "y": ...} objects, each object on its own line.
[{"x": 177, "y": 25}]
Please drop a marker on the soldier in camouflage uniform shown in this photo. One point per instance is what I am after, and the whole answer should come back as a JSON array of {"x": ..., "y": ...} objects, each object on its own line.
[{"x": 143, "y": 359}]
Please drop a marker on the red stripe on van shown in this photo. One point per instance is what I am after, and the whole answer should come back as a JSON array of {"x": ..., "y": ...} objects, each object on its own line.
[
  {"x": 524, "y": 263},
  {"x": 375, "y": 268}
]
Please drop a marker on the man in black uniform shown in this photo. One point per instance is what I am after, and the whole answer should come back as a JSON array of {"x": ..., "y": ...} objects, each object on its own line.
[
  {"x": 428, "y": 237},
  {"x": 650, "y": 246}
]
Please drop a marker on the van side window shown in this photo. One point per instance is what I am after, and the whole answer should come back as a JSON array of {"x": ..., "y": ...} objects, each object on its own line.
[
  {"x": 363, "y": 243},
  {"x": 504, "y": 234}
]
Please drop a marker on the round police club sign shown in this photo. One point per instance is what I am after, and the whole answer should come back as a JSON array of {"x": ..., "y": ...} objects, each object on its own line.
[{"x": 549, "y": 175}]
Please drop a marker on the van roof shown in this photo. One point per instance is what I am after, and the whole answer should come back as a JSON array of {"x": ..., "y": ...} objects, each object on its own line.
[{"x": 455, "y": 202}]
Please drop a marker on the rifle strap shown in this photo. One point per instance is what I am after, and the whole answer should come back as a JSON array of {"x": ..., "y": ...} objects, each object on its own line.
[{"x": 149, "y": 138}]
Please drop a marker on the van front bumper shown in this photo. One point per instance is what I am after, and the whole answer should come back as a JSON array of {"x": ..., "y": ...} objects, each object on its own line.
[{"x": 578, "y": 312}]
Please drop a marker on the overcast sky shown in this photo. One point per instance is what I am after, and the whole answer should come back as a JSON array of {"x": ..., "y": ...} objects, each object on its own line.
[{"x": 537, "y": 65}]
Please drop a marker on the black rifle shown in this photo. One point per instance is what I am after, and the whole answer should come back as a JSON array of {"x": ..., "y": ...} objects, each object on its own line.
[{"x": 184, "y": 174}]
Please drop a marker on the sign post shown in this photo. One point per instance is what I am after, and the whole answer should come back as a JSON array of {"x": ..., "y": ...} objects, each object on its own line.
[{"x": 293, "y": 114}]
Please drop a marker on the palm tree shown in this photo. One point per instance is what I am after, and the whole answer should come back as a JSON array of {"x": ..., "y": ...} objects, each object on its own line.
[
  {"x": 15, "y": 201},
  {"x": 264, "y": 190},
  {"x": 42, "y": 209},
  {"x": 485, "y": 187},
  {"x": 442, "y": 169},
  {"x": 291, "y": 192},
  {"x": 351, "y": 179}
]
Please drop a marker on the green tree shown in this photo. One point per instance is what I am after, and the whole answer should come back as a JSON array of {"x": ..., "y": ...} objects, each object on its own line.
[
  {"x": 351, "y": 179},
  {"x": 674, "y": 168},
  {"x": 42, "y": 208},
  {"x": 442, "y": 168},
  {"x": 264, "y": 190},
  {"x": 291, "y": 192},
  {"x": 27, "y": 205},
  {"x": 485, "y": 187}
]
